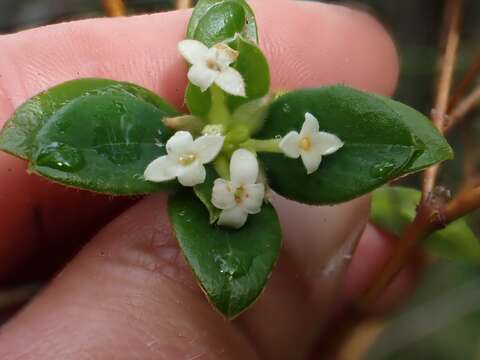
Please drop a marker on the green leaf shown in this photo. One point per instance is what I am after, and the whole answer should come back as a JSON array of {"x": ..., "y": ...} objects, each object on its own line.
[
  {"x": 232, "y": 266},
  {"x": 204, "y": 193},
  {"x": 198, "y": 102},
  {"x": 93, "y": 134},
  {"x": 252, "y": 115},
  {"x": 393, "y": 208},
  {"x": 380, "y": 143},
  {"x": 253, "y": 66},
  {"x": 214, "y": 21}
]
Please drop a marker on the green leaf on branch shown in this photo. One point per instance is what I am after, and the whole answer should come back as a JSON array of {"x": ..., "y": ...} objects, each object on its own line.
[
  {"x": 384, "y": 139},
  {"x": 394, "y": 208},
  {"x": 93, "y": 134},
  {"x": 214, "y": 21},
  {"x": 232, "y": 266}
]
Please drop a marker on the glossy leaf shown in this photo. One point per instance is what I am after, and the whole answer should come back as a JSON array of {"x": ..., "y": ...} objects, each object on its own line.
[
  {"x": 253, "y": 66},
  {"x": 213, "y": 21},
  {"x": 380, "y": 143},
  {"x": 198, "y": 102},
  {"x": 93, "y": 134},
  {"x": 232, "y": 266},
  {"x": 376, "y": 146},
  {"x": 204, "y": 193},
  {"x": 393, "y": 208}
]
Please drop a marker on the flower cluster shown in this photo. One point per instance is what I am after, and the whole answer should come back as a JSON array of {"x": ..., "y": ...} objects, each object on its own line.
[{"x": 242, "y": 193}]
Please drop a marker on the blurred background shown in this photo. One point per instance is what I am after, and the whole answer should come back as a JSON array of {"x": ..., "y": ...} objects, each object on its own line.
[{"x": 442, "y": 319}]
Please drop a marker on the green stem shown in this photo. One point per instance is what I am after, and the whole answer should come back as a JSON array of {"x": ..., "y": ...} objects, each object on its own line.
[
  {"x": 271, "y": 145},
  {"x": 219, "y": 113}
]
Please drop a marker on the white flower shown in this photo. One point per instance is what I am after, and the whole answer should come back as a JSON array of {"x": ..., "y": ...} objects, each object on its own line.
[
  {"x": 185, "y": 159},
  {"x": 212, "y": 66},
  {"x": 311, "y": 144},
  {"x": 241, "y": 195}
]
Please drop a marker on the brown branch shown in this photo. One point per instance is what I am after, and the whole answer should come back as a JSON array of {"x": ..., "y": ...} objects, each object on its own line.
[
  {"x": 423, "y": 224},
  {"x": 467, "y": 79},
  {"x": 452, "y": 23},
  {"x": 463, "y": 108},
  {"x": 464, "y": 203},
  {"x": 184, "y": 4},
  {"x": 427, "y": 218},
  {"x": 114, "y": 8}
]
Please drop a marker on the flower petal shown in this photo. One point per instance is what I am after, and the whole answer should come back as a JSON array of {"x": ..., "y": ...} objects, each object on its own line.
[
  {"x": 310, "y": 126},
  {"x": 180, "y": 143},
  {"x": 202, "y": 76},
  {"x": 234, "y": 218},
  {"x": 231, "y": 81},
  {"x": 243, "y": 167},
  {"x": 223, "y": 54},
  {"x": 311, "y": 159},
  {"x": 326, "y": 143},
  {"x": 223, "y": 194},
  {"x": 192, "y": 175},
  {"x": 207, "y": 147},
  {"x": 253, "y": 198},
  {"x": 290, "y": 144},
  {"x": 162, "y": 169},
  {"x": 193, "y": 51}
]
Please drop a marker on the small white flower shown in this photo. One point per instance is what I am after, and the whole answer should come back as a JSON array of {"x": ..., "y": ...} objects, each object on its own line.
[
  {"x": 311, "y": 144},
  {"x": 185, "y": 158},
  {"x": 241, "y": 195},
  {"x": 212, "y": 66}
]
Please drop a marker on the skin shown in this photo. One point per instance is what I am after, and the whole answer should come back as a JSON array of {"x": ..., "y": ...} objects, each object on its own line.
[{"x": 128, "y": 293}]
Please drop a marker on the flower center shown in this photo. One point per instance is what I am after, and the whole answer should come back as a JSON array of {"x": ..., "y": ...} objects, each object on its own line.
[
  {"x": 239, "y": 194},
  {"x": 187, "y": 159},
  {"x": 305, "y": 144},
  {"x": 213, "y": 65}
]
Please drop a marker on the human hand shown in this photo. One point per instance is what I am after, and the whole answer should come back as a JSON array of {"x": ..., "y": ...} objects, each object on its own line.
[{"x": 128, "y": 293}]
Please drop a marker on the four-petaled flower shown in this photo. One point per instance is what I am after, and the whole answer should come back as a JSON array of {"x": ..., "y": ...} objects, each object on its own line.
[
  {"x": 212, "y": 66},
  {"x": 185, "y": 159},
  {"x": 311, "y": 144},
  {"x": 241, "y": 195}
]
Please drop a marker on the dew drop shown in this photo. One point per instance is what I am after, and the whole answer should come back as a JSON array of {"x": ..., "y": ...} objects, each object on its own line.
[
  {"x": 382, "y": 169},
  {"x": 231, "y": 265},
  {"x": 60, "y": 156}
]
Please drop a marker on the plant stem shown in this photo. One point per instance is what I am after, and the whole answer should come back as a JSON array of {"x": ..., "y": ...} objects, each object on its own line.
[
  {"x": 428, "y": 216},
  {"x": 183, "y": 4},
  {"x": 470, "y": 75},
  {"x": 114, "y": 8},
  {"x": 219, "y": 113},
  {"x": 271, "y": 145},
  {"x": 463, "y": 108},
  {"x": 452, "y": 23},
  {"x": 464, "y": 203},
  {"x": 417, "y": 230}
]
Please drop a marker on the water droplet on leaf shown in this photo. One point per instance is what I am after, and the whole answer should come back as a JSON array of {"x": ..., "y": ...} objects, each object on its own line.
[
  {"x": 60, "y": 156},
  {"x": 232, "y": 265},
  {"x": 286, "y": 108},
  {"x": 382, "y": 169}
]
